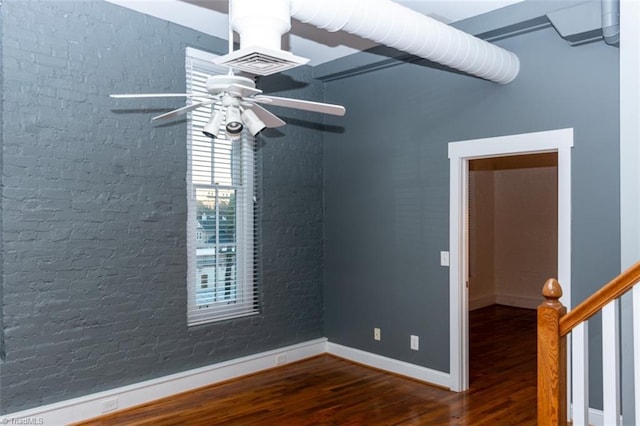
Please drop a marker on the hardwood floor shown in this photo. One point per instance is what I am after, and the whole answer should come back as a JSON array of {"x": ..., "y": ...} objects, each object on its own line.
[{"x": 330, "y": 391}]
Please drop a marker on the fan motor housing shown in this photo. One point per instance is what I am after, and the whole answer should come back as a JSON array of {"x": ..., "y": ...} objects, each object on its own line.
[{"x": 221, "y": 83}]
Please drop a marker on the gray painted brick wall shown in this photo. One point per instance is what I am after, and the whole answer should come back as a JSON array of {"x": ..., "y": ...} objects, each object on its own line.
[{"x": 94, "y": 209}]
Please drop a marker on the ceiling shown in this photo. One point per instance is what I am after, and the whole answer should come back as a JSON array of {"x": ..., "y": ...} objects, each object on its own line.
[{"x": 210, "y": 17}]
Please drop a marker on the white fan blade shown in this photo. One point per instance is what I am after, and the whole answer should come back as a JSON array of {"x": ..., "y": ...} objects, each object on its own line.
[
  {"x": 182, "y": 110},
  {"x": 270, "y": 120},
  {"x": 243, "y": 90},
  {"x": 300, "y": 104},
  {"x": 151, "y": 95}
]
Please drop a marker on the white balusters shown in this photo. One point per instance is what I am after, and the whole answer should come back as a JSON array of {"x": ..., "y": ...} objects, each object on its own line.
[
  {"x": 611, "y": 363},
  {"x": 580, "y": 374},
  {"x": 636, "y": 351}
]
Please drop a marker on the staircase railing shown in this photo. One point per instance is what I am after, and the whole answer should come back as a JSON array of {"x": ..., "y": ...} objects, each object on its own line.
[{"x": 554, "y": 324}]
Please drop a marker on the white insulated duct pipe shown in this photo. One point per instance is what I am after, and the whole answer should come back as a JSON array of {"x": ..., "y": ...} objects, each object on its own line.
[
  {"x": 611, "y": 21},
  {"x": 260, "y": 22},
  {"x": 393, "y": 25}
]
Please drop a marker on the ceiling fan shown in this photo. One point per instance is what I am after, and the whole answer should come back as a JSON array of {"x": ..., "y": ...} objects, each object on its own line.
[
  {"x": 239, "y": 99},
  {"x": 237, "y": 96}
]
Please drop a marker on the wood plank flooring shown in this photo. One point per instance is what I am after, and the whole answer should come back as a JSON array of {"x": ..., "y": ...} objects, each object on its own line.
[{"x": 330, "y": 391}]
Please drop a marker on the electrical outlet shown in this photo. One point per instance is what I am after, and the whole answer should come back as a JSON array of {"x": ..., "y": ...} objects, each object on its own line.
[
  {"x": 376, "y": 334},
  {"x": 415, "y": 343},
  {"x": 109, "y": 405},
  {"x": 281, "y": 359}
]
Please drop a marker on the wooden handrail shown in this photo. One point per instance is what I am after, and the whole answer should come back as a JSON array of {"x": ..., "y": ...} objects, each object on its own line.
[
  {"x": 594, "y": 303},
  {"x": 553, "y": 326}
]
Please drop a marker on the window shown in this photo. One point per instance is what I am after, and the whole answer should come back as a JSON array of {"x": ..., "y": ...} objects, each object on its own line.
[{"x": 220, "y": 227}]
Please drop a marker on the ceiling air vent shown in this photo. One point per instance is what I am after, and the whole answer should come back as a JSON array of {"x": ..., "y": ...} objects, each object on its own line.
[{"x": 260, "y": 60}]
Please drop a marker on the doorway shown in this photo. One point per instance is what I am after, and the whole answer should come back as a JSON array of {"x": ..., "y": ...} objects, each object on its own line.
[
  {"x": 558, "y": 142},
  {"x": 512, "y": 246},
  {"x": 513, "y": 229}
]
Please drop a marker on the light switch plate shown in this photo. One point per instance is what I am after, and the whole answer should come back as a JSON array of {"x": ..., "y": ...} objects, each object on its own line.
[{"x": 444, "y": 258}]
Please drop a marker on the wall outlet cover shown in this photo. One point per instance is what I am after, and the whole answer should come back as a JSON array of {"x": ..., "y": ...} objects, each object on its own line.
[
  {"x": 109, "y": 405},
  {"x": 415, "y": 343}
]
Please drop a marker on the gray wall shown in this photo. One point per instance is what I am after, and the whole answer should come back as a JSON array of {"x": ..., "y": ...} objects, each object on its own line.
[
  {"x": 387, "y": 184},
  {"x": 1, "y": 162},
  {"x": 94, "y": 210}
]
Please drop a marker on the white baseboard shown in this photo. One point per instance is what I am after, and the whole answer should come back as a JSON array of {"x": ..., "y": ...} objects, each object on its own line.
[
  {"x": 527, "y": 302},
  {"x": 516, "y": 301},
  {"x": 482, "y": 302},
  {"x": 89, "y": 406},
  {"x": 413, "y": 371},
  {"x": 596, "y": 418}
]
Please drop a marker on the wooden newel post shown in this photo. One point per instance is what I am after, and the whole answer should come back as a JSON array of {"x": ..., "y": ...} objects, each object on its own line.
[{"x": 552, "y": 358}]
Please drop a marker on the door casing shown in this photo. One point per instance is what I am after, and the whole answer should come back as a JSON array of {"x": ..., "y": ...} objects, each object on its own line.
[{"x": 460, "y": 153}]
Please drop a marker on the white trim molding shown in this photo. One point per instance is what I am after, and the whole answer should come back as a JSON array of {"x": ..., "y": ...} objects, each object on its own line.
[
  {"x": 90, "y": 406},
  {"x": 630, "y": 200},
  {"x": 460, "y": 153},
  {"x": 482, "y": 302},
  {"x": 97, "y": 404},
  {"x": 518, "y": 301},
  {"x": 629, "y": 133},
  {"x": 596, "y": 418},
  {"x": 392, "y": 365}
]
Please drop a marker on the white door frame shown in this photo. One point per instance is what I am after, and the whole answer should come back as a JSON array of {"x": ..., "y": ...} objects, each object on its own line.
[{"x": 460, "y": 153}]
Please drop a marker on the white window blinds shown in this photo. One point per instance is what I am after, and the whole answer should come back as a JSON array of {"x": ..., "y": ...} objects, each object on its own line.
[{"x": 221, "y": 237}]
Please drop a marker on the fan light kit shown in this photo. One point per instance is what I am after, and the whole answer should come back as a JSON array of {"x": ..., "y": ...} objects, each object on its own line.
[{"x": 212, "y": 127}]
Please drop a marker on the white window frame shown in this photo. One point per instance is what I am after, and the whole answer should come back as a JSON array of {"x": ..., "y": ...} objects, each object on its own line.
[{"x": 245, "y": 291}]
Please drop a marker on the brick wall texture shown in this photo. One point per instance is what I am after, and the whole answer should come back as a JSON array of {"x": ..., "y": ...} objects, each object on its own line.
[{"x": 93, "y": 237}]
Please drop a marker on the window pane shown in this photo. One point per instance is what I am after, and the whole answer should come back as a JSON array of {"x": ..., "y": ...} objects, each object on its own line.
[
  {"x": 206, "y": 267},
  {"x": 217, "y": 278},
  {"x": 216, "y": 245},
  {"x": 226, "y": 285},
  {"x": 215, "y": 217}
]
